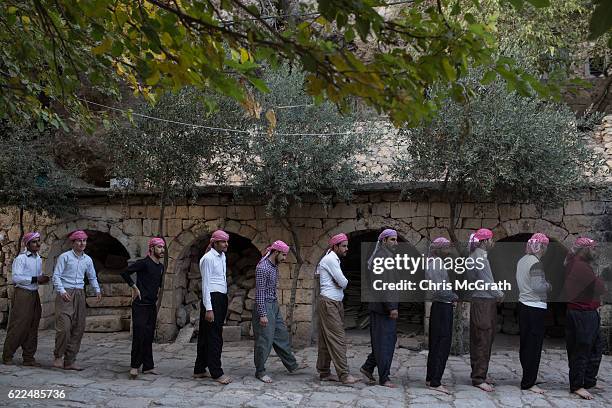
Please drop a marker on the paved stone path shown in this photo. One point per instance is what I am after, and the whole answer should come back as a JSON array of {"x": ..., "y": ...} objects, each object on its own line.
[{"x": 104, "y": 382}]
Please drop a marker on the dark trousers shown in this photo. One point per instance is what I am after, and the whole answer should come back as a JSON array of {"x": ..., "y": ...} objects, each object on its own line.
[
  {"x": 531, "y": 325},
  {"x": 22, "y": 329},
  {"x": 383, "y": 335},
  {"x": 210, "y": 337},
  {"x": 584, "y": 347},
  {"x": 483, "y": 322},
  {"x": 440, "y": 338},
  {"x": 144, "y": 318},
  {"x": 274, "y": 335}
]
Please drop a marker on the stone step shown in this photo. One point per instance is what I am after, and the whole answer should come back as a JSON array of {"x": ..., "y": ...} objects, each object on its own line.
[{"x": 103, "y": 324}]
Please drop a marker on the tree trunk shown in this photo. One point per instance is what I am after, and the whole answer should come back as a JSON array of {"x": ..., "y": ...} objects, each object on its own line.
[
  {"x": 160, "y": 229},
  {"x": 295, "y": 248},
  {"x": 21, "y": 230},
  {"x": 458, "y": 345}
]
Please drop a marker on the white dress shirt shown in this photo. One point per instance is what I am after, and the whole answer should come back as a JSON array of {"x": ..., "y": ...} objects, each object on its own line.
[
  {"x": 213, "y": 269},
  {"x": 26, "y": 266},
  {"x": 70, "y": 270},
  {"x": 331, "y": 277}
]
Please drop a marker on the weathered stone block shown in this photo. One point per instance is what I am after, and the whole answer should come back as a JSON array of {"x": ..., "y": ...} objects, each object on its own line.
[
  {"x": 196, "y": 212},
  {"x": 576, "y": 223},
  {"x": 241, "y": 212},
  {"x": 418, "y": 223},
  {"x": 403, "y": 210},
  {"x": 132, "y": 227},
  {"x": 174, "y": 227},
  {"x": 593, "y": 207},
  {"x": 472, "y": 223},
  {"x": 529, "y": 211},
  {"x": 573, "y": 208},
  {"x": 138, "y": 211},
  {"x": 440, "y": 210},
  {"x": 153, "y": 211},
  {"x": 422, "y": 209},
  {"x": 509, "y": 212},
  {"x": 302, "y": 313},
  {"x": 109, "y": 301},
  {"x": 342, "y": 210},
  {"x": 381, "y": 209},
  {"x": 214, "y": 212},
  {"x": 103, "y": 324},
  {"x": 486, "y": 210},
  {"x": 232, "y": 333},
  {"x": 553, "y": 214}
]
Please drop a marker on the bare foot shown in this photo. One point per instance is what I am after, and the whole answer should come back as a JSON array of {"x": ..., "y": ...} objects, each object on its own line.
[
  {"x": 349, "y": 380},
  {"x": 440, "y": 388},
  {"x": 72, "y": 367},
  {"x": 133, "y": 373},
  {"x": 389, "y": 384},
  {"x": 58, "y": 363},
  {"x": 584, "y": 394},
  {"x": 298, "y": 368},
  {"x": 490, "y": 380},
  {"x": 329, "y": 377},
  {"x": 536, "y": 389},
  {"x": 485, "y": 387},
  {"x": 265, "y": 379},
  {"x": 224, "y": 380},
  {"x": 367, "y": 374},
  {"x": 201, "y": 375},
  {"x": 151, "y": 371}
]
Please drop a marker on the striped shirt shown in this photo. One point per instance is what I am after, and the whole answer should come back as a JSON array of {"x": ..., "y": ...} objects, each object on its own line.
[{"x": 266, "y": 277}]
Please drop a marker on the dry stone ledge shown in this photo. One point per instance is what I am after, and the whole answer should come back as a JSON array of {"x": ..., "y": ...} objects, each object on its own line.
[
  {"x": 109, "y": 301},
  {"x": 103, "y": 324},
  {"x": 232, "y": 333}
]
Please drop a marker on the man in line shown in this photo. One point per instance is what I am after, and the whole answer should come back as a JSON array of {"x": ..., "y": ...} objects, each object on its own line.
[
  {"x": 268, "y": 325},
  {"x": 332, "y": 342},
  {"x": 213, "y": 267},
  {"x": 441, "y": 315},
  {"x": 68, "y": 280},
  {"x": 22, "y": 328},
  {"x": 533, "y": 289},
  {"x": 383, "y": 319},
  {"x": 583, "y": 290},
  {"x": 149, "y": 273},
  {"x": 483, "y": 310}
]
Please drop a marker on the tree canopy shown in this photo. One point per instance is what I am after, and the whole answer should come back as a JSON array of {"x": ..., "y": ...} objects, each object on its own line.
[{"x": 52, "y": 48}]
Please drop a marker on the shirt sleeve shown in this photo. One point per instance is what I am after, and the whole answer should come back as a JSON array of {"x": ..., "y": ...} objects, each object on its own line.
[
  {"x": 133, "y": 268},
  {"x": 57, "y": 274},
  {"x": 537, "y": 280},
  {"x": 261, "y": 281},
  {"x": 487, "y": 276},
  {"x": 206, "y": 272},
  {"x": 336, "y": 273},
  {"x": 20, "y": 276},
  {"x": 91, "y": 275}
]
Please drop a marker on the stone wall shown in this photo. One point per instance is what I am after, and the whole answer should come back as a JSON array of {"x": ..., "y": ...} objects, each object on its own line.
[{"x": 132, "y": 221}]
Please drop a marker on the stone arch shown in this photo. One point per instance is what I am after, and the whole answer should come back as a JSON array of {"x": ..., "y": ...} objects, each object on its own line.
[
  {"x": 110, "y": 256},
  {"x": 529, "y": 226},
  {"x": 183, "y": 250},
  {"x": 356, "y": 312},
  {"x": 371, "y": 223}
]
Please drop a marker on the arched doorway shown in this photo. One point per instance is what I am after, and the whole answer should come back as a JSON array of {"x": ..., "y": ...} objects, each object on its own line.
[
  {"x": 110, "y": 258},
  {"x": 504, "y": 265},
  {"x": 356, "y": 315},
  {"x": 242, "y": 257}
]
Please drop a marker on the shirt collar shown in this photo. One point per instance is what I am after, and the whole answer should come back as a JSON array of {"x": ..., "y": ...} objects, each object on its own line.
[
  {"x": 334, "y": 256},
  {"x": 29, "y": 253},
  {"x": 77, "y": 256},
  {"x": 217, "y": 253}
]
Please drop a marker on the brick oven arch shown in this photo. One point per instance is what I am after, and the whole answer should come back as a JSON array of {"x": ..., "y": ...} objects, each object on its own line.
[
  {"x": 182, "y": 254},
  {"x": 107, "y": 245}
]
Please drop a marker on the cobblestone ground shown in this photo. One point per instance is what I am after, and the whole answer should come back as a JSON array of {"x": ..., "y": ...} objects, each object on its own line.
[{"x": 104, "y": 382}]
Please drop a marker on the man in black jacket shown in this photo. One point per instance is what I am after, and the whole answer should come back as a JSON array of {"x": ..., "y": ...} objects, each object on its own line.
[
  {"x": 383, "y": 319},
  {"x": 149, "y": 272}
]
